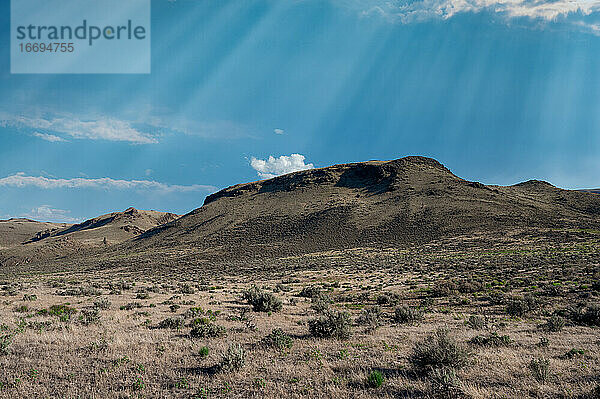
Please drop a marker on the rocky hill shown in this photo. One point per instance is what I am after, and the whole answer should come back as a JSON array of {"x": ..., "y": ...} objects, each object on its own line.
[{"x": 393, "y": 203}]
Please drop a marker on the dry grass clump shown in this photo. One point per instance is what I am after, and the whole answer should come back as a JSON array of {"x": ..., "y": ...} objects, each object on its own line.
[
  {"x": 233, "y": 359},
  {"x": 409, "y": 314},
  {"x": 332, "y": 324},
  {"x": 262, "y": 301},
  {"x": 438, "y": 350}
]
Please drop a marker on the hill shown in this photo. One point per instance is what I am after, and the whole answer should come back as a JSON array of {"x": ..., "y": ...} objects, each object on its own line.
[
  {"x": 394, "y": 203},
  {"x": 114, "y": 227},
  {"x": 17, "y": 231}
]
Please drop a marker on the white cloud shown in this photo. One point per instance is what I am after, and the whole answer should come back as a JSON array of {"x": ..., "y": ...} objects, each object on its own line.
[
  {"x": 278, "y": 131},
  {"x": 106, "y": 183},
  {"x": 102, "y": 128},
  {"x": 46, "y": 213},
  {"x": 48, "y": 137},
  {"x": 574, "y": 12},
  {"x": 273, "y": 167}
]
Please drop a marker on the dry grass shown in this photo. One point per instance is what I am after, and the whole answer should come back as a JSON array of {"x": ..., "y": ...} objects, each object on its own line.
[{"x": 123, "y": 354}]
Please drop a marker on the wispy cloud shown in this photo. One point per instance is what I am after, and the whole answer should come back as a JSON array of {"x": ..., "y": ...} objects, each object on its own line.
[
  {"x": 278, "y": 131},
  {"x": 581, "y": 13},
  {"x": 273, "y": 167},
  {"x": 46, "y": 213},
  {"x": 100, "y": 128},
  {"x": 105, "y": 183},
  {"x": 49, "y": 137}
]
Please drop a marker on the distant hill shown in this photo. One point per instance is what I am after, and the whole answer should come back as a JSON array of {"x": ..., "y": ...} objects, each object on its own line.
[
  {"x": 392, "y": 203},
  {"x": 17, "y": 231},
  {"x": 113, "y": 227}
]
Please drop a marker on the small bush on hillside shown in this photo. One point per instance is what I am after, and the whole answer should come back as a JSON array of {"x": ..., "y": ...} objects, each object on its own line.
[
  {"x": 63, "y": 312},
  {"x": 583, "y": 314},
  {"x": 5, "y": 341},
  {"x": 522, "y": 306},
  {"x": 409, "y": 314},
  {"x": 555, "y": 324},
  {"x": 388, "y": 299},
  {"x": 371, "y": 318},
  {"x": 320, "y": 303},
  {"x": 187, "y": 289},
  {"x": 278, "y": 340},
  {"x": 332, "y": 324},
  {"x": 540, "y": 369},
  {"x": 574, "y": 353},
  {"x": 444, "y": 288},
  {"x": 208, "y": 330},
  {"x": 375, "y": 379},
  {"x": 310, "y": 291},
  {"x": 477, "y": 322},
  {"x": 438, "y": 350},
  {"x": 445, "y": 384},
  {"x": 234, "y": 359},
  {"x": 22, "y": 309},
  {"x": 102, "y": 303},
  {"x": 491, "y": 340},
  {"x": 262, "y": 301},
  {"x": 203, "y": 352},
  {"x": 89, "y": 316},
  {"x": 173, "y": 323}
]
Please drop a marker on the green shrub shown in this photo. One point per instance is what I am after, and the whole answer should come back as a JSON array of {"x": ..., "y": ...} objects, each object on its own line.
[
  {"x": 203, "y": 352},
  {"x": 131, "y": 306},
  {"x": 30, "y": 297},
  {"x": 278, "y": 340},
  {"x": 375, "y": 379},
  {"x": 63, "y": 312},
  {"x": 332, "y": 324},
  {"x": 438, "y": 350},
  {"x": 208, "y": 330},
  {"x": 233, "y": 359},
  {"x": 574, "y": 353},
  {"x": 409, "y": 314},
  {"x": 262, "y": 301},
  {"x": 22, "y": 309}
]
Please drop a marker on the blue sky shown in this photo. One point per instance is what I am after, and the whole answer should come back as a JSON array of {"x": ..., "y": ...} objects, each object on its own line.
[{"x": 500, "y": 91}]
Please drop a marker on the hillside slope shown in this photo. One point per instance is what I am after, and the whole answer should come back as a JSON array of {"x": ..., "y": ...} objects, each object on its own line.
[
  {"x": 115, "y": 227},
  {"x": 393, "y": 203},
  {"x": 17, "y": 231}
]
